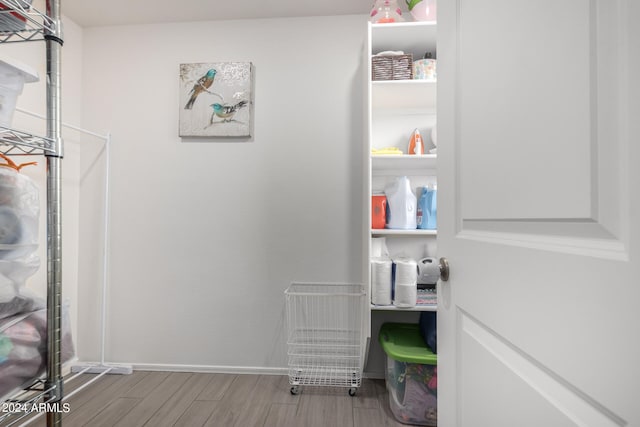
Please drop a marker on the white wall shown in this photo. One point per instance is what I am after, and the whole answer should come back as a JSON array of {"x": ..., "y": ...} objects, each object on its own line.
[{"x": 206, "y": 236}]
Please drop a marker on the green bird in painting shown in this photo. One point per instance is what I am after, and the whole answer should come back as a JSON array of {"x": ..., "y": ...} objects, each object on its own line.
[
  {"x": 226, "y": 112},
  {"x": 202, "y": 85}
]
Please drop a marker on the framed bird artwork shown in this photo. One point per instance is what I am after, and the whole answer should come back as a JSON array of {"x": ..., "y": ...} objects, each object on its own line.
[{"x": 216, "y": 99}]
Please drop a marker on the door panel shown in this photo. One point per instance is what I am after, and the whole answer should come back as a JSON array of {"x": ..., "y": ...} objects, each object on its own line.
[
  {"x": 546, "y": 399},
  {"x": 528, "y": 70},
  {"x": 538, "y": 320},
  {"x": 557, "y": 121}
]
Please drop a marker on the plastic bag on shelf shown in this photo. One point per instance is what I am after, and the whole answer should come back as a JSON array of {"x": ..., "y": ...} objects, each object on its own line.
[
  {"x": 19, "y": 212},
  {"x": 19, "y": 208},
  {"x": 23, "y": 344}
]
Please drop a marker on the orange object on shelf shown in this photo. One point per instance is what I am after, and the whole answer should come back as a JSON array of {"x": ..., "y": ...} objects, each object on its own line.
[
  {"x": 416, "y": 146},
  {"x": 11, "y": 164},
  {"x": 378, "y": 211}
]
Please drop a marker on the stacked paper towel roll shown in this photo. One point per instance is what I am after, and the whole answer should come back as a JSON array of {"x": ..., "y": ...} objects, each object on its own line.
[
  {"x": 379, "y": 247},
  {"x": 381, "y": 281},
  {"x": 406, "y": 283}
]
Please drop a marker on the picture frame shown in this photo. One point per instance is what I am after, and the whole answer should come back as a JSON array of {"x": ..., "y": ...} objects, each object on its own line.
[{"x": 216, "y": 99}]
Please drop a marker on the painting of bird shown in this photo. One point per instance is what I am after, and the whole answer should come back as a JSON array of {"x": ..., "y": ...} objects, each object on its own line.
[
  {"x": 229, "y": 85},
  {"x": 202, "y": 85},
  {"x": 226, "y": 111}
]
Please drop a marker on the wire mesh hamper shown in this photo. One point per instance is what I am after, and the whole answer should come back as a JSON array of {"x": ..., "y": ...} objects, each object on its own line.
[{"x": 324, "y": 335}]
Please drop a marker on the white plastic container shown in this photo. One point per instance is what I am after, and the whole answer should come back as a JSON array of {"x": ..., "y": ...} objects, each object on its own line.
[
  {"x": 402, "y": 205},
  {"x": 13, "y": 76}
]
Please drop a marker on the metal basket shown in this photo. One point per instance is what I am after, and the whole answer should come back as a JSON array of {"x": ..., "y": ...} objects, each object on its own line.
[
  {"x": 325, "y": 334},
  {"x": 392, "y": 67}
]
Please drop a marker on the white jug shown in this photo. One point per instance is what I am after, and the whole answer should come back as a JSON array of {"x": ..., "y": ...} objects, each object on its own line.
[{"x": 401, "y": 204}]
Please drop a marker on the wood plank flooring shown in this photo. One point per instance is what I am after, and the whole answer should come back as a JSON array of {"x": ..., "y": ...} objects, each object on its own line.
[{"x": 161, "y": 399}]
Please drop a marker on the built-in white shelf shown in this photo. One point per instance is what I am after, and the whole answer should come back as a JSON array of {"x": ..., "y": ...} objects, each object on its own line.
[
  {"x": 420, "y": 307},
  {"x": 403, "y": 161},
  {"x": 395, "y": 108},
  {"x": 405, "y": 94},
  {"x": 415, "y": 38},
  {"x": 404, "y": 233}
]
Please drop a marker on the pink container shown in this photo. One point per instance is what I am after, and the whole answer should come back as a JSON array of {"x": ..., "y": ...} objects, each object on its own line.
[{"x": 422, "y": 10}]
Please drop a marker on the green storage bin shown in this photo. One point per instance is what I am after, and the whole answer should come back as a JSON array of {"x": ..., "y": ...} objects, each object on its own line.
[{"x": 411, "y": 374}]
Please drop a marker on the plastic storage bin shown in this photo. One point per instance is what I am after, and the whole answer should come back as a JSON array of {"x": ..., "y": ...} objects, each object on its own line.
[
  {"x": 411, "y": 374},
  {"x": 13, "y": 76}
]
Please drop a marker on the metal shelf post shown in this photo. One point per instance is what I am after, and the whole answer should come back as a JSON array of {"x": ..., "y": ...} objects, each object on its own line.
[{"x": 53, "y": 40}]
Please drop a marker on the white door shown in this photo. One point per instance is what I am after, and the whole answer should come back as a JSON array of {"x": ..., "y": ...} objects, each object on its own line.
[{"x": 539, "y": 213}]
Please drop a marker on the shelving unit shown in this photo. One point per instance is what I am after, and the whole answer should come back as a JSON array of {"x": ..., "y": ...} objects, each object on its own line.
[
  {"x": 394, "y": 109},
  {"x": 15, "y": 142},
  {"x": 45, "y": 26},
  {"x": 38, "y": 25}
]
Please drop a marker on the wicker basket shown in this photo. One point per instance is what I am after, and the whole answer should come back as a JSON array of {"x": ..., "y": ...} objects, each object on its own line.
[{"x": 392, "y": 67}]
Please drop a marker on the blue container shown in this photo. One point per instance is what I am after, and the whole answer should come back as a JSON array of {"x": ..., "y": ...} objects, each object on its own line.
[{"x": 427, "y": 209}]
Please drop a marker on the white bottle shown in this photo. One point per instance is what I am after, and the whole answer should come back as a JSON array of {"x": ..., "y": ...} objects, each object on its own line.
[{"x": 402, "y": 204}]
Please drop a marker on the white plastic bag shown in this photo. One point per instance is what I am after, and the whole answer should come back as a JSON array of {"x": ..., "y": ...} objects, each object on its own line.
[{"x": 19, "y": 211}]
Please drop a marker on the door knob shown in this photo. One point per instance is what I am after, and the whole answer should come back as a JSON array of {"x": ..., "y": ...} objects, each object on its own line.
[{"x": 444, "y": 269}]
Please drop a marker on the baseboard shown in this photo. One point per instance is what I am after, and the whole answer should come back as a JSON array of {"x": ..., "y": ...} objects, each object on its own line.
[
  {"x": 98, "y": 369},
  {"x": 66, "y": 366},
  {"x": 373, "y": 375},
  {"x": 215, "y": 369}
]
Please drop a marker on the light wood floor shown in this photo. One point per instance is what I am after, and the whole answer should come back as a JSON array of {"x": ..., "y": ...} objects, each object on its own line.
[{"x": 194, "y": 399}]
